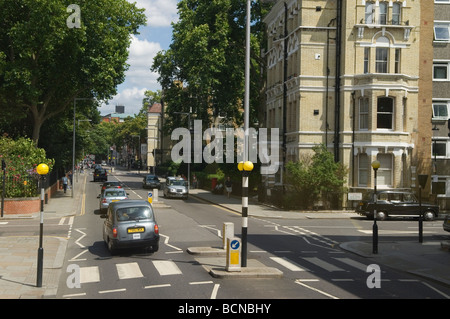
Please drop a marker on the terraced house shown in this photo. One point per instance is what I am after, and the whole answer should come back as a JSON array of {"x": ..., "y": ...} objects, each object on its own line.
[
  {"x": 355, "y": 75},
  {"x": 441, "y": 103}
]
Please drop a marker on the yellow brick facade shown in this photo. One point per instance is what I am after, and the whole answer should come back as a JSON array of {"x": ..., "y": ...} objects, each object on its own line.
[{"x": 382, "y": 113}]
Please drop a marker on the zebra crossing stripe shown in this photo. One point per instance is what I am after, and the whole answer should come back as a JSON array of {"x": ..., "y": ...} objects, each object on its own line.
[
  {"x": 166, "y": 267},
  {"x": 323, "y": 264},
  {"x": 352, "y": 263},
  {"x": 89, "y": 274},
  {"x": 129, "y": 270},
  {"x": 288, "y": 264}
]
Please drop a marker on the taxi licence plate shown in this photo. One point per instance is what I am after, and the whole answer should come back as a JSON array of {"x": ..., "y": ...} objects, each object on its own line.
[{"x": 135, "y": 230}]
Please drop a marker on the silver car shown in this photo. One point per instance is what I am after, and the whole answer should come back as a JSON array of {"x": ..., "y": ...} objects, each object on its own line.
[
  {"x": 176, "y": 187},
  {"x": 111, "y": 195},
  {"x": 130, "y": 224}
]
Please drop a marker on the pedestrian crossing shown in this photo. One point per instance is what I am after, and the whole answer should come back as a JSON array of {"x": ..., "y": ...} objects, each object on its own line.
[
  {"x": 131, "y": 270},
  {"x": 315, "y": 264}
]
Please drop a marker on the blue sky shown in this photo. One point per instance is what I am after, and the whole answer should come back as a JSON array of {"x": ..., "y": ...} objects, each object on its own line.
[{"x": 154, "y": 37}]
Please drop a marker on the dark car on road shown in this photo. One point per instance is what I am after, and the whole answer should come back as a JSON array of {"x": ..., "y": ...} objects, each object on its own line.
[
  {"x": 446, "y": 224},
  {"x": 395, "y": 203},
  {"x": 130, "y": 224},
  {"x": 111, "y": 184},
  {"x": 100, "y": 175},
  {"x": 151, "y": 181}
]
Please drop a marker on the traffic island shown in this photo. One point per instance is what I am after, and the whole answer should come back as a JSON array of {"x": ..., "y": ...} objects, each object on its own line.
[{"x": 216, "y": 267}]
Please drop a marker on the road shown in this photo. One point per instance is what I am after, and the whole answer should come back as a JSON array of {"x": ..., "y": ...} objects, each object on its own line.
[{"x": 306, "y": 251}]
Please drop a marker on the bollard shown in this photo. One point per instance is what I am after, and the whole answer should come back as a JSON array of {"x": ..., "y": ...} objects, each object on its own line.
[
  {"x": 228, "y": 232},
  {"x": 155, "y": 194},
  {"x": 233, "y": 262}
]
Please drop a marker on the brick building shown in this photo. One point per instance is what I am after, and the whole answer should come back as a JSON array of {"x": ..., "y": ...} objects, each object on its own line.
[{"x": 353, "y": 75}]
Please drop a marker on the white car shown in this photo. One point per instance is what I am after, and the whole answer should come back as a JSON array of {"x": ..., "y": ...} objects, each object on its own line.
[{"x": 176, "y": 187}]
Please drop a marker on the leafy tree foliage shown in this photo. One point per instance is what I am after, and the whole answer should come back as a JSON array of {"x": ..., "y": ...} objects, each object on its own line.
[
  {"x": 21, "y": 157},
  {"x": 204, "y": 67},
  {"x": 316, "y": 177},
  {"x": 45, "y": 64}
]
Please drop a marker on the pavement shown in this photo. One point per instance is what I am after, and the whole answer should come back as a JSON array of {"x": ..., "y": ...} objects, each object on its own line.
[{"x": 18, "y": 254}]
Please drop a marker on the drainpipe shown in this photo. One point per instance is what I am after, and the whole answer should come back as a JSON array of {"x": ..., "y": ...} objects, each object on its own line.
[{"x": 337, "y": 109}]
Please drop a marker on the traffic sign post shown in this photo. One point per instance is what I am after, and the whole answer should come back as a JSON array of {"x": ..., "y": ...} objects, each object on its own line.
[
  {"x": 150, "y": 197},
  {"x": 233, "y": 255}
]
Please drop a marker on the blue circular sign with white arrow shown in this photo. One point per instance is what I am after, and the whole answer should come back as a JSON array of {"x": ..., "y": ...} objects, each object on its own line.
[{"x": 235, "y": 244}]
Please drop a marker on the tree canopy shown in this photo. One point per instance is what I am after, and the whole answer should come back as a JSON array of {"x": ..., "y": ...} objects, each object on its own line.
[
  {"x": 204, "y": 67},
  {"x": 45, "y": 62}
]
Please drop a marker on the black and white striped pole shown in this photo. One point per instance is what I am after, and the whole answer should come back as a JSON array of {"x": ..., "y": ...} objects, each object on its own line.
[
  {"x": 42, "y": 170},
  {"x": 245, "y": 168}
]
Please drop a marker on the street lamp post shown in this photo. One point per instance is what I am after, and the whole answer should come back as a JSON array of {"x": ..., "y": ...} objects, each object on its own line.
[
  {"x": 245, "y": 168},
  {"x": 190, "y": 146},
  {"x": 42, "y": 170},
  {"x": 422, "y": 182},
  {"x": 375, "y": 166}
]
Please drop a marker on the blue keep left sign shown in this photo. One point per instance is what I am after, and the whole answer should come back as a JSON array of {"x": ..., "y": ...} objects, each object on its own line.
[{"x": 235, "y": 244}]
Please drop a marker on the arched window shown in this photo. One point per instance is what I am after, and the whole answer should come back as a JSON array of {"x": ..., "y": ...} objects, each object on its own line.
[{"x": 382, "y": 55}]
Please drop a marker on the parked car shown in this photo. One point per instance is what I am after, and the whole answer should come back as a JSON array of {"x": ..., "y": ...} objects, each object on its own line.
[
  {"x": 392, "y": 202},
  {"x": 110, "y": 184},
  {"x": 130, "y": 224},
  {"x": 151, "y": 181},
  {"x": 111, "y": 195},
  {"x": 100, "y": 175},
  {"x": 446, "y": 224},
  {"x": 176, "y": 187}
]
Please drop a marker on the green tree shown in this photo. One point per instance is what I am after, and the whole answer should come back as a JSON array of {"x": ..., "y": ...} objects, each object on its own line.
[
  {"x": 22, "y": 157},
  {"x": 316, "y": 177},
  {"x": 45, "y": 63},
  {"x": 204, "y": 67}
]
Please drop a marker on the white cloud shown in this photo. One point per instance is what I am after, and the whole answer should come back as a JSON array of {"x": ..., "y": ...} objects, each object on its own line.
[
  {"x": 140, "y": 60},
  {"x": 160, "y": 13}
]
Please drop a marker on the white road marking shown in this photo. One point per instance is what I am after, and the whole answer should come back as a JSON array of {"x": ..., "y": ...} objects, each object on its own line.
[
  {"x": 82, "y": 236},
  {"x": 89, "y": 274},
  {"x": 300, "y": 282},
  {"x": 352, "y": 263},
  {"x": 215, "y": 290},
  {"x": 288, "y": 264},
  {"x": 129, "y": 270},
  {"x": 166, "y": 267},
  {"x": 157, "y": 286},
  {"x": 323, "y": 264}
]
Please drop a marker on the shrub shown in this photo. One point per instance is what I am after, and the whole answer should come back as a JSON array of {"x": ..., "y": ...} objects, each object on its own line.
[{"x": 22, "y": 157}]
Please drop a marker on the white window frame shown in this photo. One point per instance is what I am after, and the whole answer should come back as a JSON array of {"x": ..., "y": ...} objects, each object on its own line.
[
  {"x": 369, "y": 14},
  {"x": 441, "y": 64},
  {"x": 396, "y": 16},
  {"x": 439, "y": 102},
  {"x": 440, "y": 141},
  {"x": 363, "y": 169},
  {"x": 391, "y": 114},
  {"x": 383, "y": 16},
  {"x": 442, "y": 25},
  {"x": 363, "y": 113},
  {"x": 384, "y": 170},
  {"x": 442, "y": 1}
]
